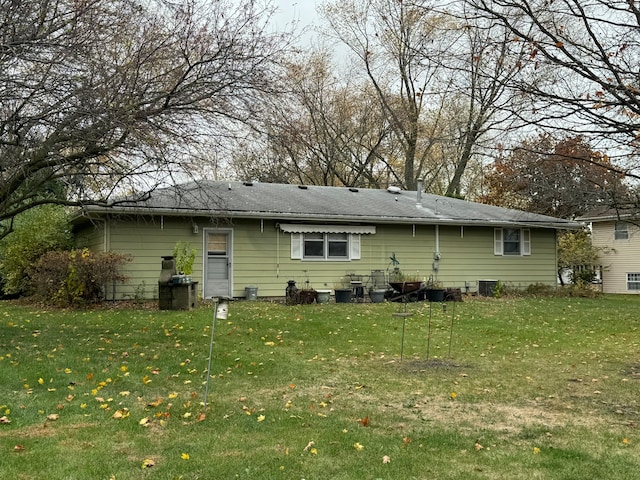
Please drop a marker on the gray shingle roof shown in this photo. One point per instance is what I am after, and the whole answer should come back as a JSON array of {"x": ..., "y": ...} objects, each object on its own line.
[{"x": 325, "y": 204}]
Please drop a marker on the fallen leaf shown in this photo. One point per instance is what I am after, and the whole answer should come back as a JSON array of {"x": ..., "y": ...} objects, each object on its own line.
[
  {"x": 364, "y": 421},
  {"x": 386, "y": 459},
  {"x": 148, "y": 463},
  {"x": 185, "y": 456},
  {"x": 145, "y": 422},
  {"x": 478, "y": 446},
  {"x": 536, "y": 450},
  {"x": 53, "y": 417},
  {"x": 4, "y": 420},
  {"x": 120, "y": 414},
  {"x": 261, "y": 418},
  {"x": 201, "y": 417},
  {"x": 358, "y": 446},
  {"x": 309, "y": 445},
  {"x": 155, "y": 403},
  {"x": 18, "y": 448}
]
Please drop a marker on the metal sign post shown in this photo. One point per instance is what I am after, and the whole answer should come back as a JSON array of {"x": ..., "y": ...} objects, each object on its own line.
[{"x": 221, "y": 311}]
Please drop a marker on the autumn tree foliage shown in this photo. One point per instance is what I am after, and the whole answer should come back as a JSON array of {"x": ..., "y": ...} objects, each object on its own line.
[
  {"x": 101, "y": 97},
  {"x": 563, "y": 178},
  {"x": 581, "y": 73}
]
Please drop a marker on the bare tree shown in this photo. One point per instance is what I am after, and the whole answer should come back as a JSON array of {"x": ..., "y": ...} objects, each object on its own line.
[
  {"x": 397, "y": 43},
  {"x": 101, "y": 96},
  {"x": 581, "y": 73},
  {"x": 325, "y": 130},
  {"x": 480, "y": 103},
  {"x": 440, "y": 77}
]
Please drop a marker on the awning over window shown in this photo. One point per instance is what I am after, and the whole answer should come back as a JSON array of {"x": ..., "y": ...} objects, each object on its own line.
[{"x": 309, "y": 228}]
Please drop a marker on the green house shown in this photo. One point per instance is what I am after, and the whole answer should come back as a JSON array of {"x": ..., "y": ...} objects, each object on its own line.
[{"x": 261, "y": 235}]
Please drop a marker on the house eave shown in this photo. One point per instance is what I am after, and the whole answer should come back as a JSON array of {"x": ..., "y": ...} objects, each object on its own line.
[{"x": 93, "y": 212}]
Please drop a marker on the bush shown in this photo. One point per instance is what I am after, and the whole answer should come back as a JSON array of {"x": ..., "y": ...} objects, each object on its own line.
[
  {"x": 76, "y": 277},
  {"x": 36, "y": 232}
]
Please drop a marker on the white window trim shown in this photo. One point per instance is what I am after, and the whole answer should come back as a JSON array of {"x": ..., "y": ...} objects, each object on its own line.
[
  {"x": 525, "y": 242},
  {"x": 353, "y": 249},
  {"x": 635, "y": 280},
  {"x": 623, "y": 232}
]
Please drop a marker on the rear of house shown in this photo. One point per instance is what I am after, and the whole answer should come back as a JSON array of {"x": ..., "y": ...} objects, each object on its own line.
[{"x": 262, "y": 236}]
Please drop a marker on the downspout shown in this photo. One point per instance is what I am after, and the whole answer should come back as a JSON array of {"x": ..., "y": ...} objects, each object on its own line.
[{"x": 436, "y": 254}]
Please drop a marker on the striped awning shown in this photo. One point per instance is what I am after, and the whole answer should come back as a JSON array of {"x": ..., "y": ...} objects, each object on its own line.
[{"x": 311, "y": 228}]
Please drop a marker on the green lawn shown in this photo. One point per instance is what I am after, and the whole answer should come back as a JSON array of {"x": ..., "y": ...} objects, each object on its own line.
[{"x": 511, "y": 388}]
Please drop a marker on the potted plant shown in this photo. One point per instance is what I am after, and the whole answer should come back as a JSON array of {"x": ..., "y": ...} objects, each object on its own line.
[
  {"x": 377, "y": 294},
  {"x": 399, "y": 281},
  {"x": 434, "y": 290},
  {"x": 184, "y": 256},
  {"x": 343, "y": 291}
]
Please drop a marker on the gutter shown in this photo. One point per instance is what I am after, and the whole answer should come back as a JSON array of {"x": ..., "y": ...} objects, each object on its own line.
[{"x": 89, "y": 214}]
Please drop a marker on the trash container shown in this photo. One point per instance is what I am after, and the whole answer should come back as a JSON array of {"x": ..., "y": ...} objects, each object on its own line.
[{"x": 250, "y": 293}]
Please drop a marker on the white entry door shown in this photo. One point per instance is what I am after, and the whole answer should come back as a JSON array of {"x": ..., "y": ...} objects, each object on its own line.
[{"x": 217, "y": 268}]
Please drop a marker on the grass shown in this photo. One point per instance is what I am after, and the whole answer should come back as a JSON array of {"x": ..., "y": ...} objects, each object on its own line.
[{"x": 518, "y": 388}]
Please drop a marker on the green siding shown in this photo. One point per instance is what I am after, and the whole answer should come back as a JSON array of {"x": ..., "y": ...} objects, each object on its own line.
[{"x": 261, "y": 255}]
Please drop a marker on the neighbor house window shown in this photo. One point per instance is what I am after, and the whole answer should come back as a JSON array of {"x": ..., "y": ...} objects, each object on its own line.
[
  {"x": 633, "y": 281},
  {"x": 621, "y": 231},
  {"x": 512, "y": 241}
]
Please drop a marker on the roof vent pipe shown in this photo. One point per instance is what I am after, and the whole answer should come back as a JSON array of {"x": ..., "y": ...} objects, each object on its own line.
[{"x": 419, "y": 194}]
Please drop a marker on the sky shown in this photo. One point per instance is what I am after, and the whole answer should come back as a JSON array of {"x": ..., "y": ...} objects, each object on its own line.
[{"x": 301, "y": 11}]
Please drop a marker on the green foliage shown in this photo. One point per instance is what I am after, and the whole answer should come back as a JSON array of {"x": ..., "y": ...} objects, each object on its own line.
[
  {"x": 36, "y": 231},
  {"x": 499, "y": 290},
  {"x": 577, "y": 253},
  {"x": 184, "y": 256},
  {"x": 75, "y": 277}
]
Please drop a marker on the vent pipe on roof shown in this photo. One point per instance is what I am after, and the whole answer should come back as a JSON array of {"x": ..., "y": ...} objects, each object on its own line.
[{"x": 419, "y": 194}]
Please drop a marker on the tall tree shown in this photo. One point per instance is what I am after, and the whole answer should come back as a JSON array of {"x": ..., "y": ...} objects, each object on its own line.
[
  {"x": 325, "y": 130},
  {"x": 582, "y": 70},
  {"x": 563, "y": 178},
  {"x": 480, "y": 104},
  {"x": 440, "y": 77},
  {"x": 397, "y": 43},
  {"x": 105, "y": 95}
]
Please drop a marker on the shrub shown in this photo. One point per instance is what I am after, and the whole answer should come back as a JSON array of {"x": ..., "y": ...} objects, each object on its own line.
[
  {"x": 36, "y": 232},
  {"x": 76, "y": 277}
]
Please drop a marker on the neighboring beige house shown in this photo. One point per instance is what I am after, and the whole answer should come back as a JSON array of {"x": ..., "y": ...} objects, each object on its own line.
[
  {"x": 618, "y": 235},
  {"x": 262, "y": 235}
]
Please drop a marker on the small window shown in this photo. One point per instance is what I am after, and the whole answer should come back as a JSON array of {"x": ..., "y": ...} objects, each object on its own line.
[
  {"x": 338, "y": 245},
  {"x": 621, "y": 231},
  {"x": 512, "y": 241},
  {"x": 325, "y": 246},
  {"x": 314, "y": 245},
  {"x": 633, "y": 281}
]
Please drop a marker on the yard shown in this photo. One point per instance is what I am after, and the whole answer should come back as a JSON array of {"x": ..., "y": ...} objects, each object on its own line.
[{"x": 488, "y": 389}]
